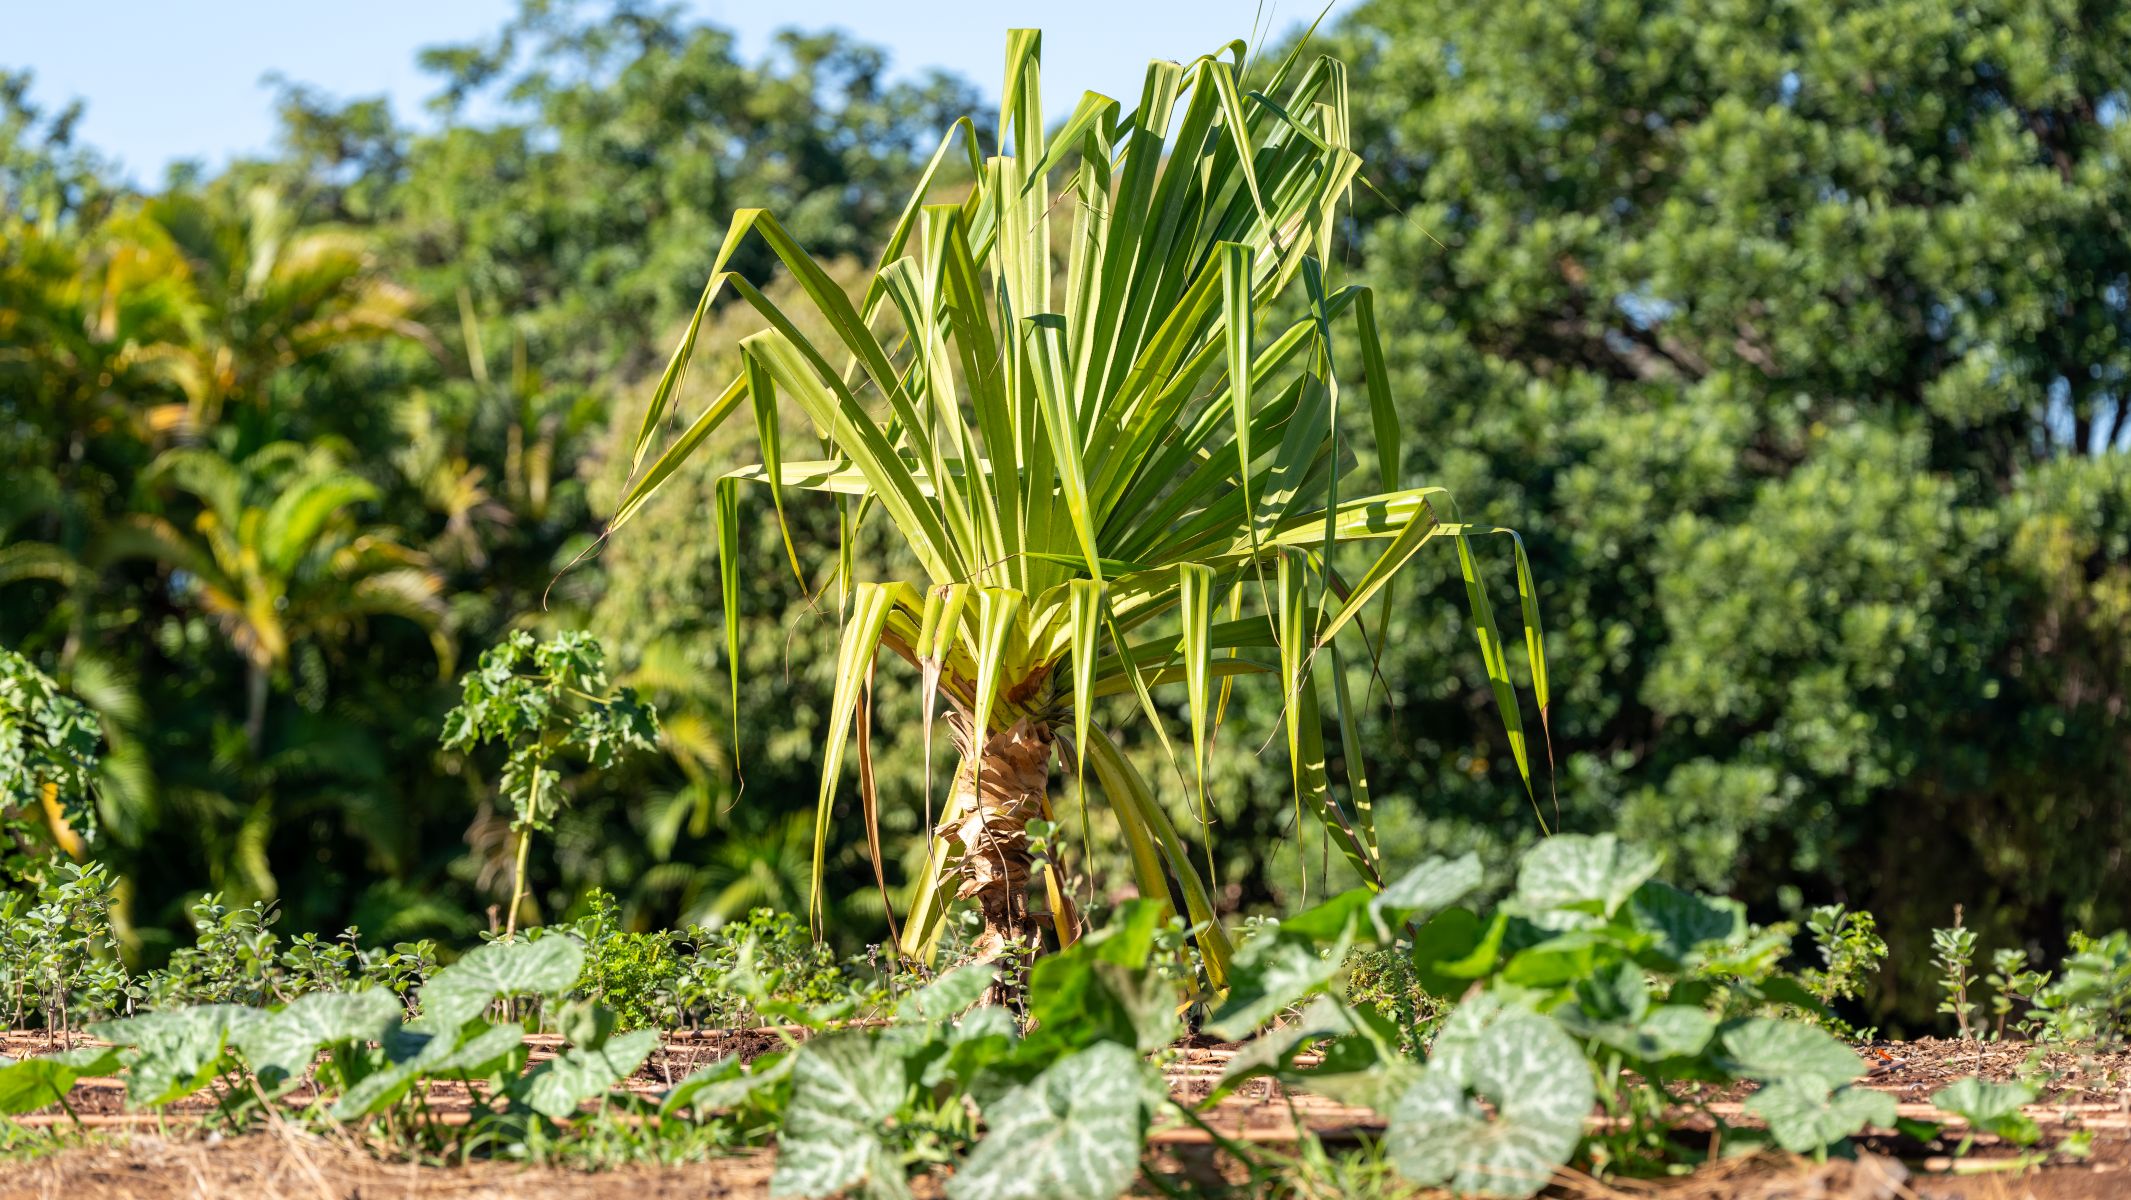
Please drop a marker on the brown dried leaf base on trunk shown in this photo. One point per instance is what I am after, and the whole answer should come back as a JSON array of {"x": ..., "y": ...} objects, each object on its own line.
[{"x": 996, "y": 794}]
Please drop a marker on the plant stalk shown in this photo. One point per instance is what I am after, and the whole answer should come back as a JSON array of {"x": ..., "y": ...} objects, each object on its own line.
[{"x": 525, "y": 846}]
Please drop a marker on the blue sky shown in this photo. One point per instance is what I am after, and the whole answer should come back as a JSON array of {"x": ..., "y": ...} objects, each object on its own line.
[{"x": 167, "y": 81}]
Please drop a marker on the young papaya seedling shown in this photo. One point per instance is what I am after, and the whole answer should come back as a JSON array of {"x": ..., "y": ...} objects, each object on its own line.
[{"x": 542, "y": 700}]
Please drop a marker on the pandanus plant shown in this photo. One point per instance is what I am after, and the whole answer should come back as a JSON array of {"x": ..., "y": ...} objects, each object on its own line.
[{"x": 1118, "y": 461}]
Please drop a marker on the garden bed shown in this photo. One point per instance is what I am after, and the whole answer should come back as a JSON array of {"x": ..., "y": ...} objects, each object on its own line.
[
  {"x": 288, "y": 1164},
  {"x": 1602, "y": 1022},
  {"x": 176, "y": 1152}
]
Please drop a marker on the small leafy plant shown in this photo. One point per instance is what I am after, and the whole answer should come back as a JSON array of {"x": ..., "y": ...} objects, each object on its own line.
[
  {"x": 58, "y": 955},
  {"x": 2012, "y": 983},
  {"x": 1851, "y": 950},
  {"x": 1991, "y": 1108},
  {"x": 235, "y": 958},
  {"x": 1954, "y": 952},
  {"x": 713, "y": 978},
  {"x": 541, "y": 700}
]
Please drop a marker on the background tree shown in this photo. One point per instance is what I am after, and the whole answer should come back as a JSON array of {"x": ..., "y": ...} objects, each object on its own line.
[
  {"x": 274, "y": 557},
  {"x": 1795, "y": 334}
]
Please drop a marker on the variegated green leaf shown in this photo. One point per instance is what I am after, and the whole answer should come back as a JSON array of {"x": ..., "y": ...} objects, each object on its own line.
[
  {"x": 546, "y": 966},
  {"x": 1584, "y": 873},
  {"x": 846, "y": 1087},
  {"x": 176, "y": 1053},
  {"x": 1500, "y": 1106},
  {"x": 1072, "y": 1133},
  {"x": 280, "y": 1046}
]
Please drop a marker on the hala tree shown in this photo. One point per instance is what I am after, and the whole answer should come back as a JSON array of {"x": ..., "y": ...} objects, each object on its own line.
[{"x": 1118, "y": 462}]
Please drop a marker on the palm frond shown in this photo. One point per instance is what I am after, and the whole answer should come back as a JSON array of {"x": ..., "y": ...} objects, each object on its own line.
[{"x": 1077, "y": 448}]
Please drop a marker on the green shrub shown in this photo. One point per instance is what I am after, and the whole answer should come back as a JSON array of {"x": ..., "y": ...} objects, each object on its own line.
[{"x": 2091, "y": 999}]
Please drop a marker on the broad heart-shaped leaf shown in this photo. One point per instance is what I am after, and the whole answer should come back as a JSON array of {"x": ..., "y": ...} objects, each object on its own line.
[
  {"x": 845, "y": 1089},
  {"x": 1454, "y": 948},
  {"x": 1684, "y": 921},
  {"x": 1560, "y": 959},
  {"x": 1667, "y": 1031},
  {"x": 34, "y": 1083},
  {"x": 1072, "y": 1133},
  {"x": 1992, "y": 1108},
  {"x": 978, "y": 1041},
  {"x": 726, "y": 1084},
  {"x": 1804, "y": 1115},
  {"x": 1523, "y": 1065},
  {"x": 1102, "y": 988},
  {"x": 556, "y": 1087},
  {"x": 176, "y": 1052},
  {"x": 280, "y": 1046},
  {"x": 947, "y": 995},
  {"x": 1428, "y": 888},
  {"x": 1773, "y": 1050},
  {"x": 459, "y": 992},
  {"x": 1332, "y": 920},
  {"x": 1582, "y": 873},
  {"x": 474, "y": 1052},
  {"x": 1271, "y": 971}
]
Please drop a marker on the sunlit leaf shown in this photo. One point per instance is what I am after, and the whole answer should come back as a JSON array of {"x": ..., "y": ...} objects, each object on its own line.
[
  {"x": 547, "y": 966},
  {"x": 280, "y": 1046},
  {"x": 846, "y": 1087},
  {"x": 1072, "y": 1133},
  {"x": 1583, "y": 873},
  {"x": 557, "y": 1087},
  {"x": 1536, "y": 1089}
]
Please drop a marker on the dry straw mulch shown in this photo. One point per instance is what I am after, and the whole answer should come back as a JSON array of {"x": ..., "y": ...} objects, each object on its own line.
[{"x": 288, "y": 1164}]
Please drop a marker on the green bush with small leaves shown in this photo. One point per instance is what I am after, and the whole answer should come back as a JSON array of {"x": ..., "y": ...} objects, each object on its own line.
[
  {"x": 49, "y": 750},
  {"x": 2091, "y": 997}
]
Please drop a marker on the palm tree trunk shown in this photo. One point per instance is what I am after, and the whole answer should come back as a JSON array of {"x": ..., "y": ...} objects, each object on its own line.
[
  {"x": 997, "y": 792},
  {"x": 255, "y": 682}
]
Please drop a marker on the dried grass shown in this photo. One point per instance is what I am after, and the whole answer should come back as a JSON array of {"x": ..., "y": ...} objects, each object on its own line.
[{"x": 286, "y": 1163}]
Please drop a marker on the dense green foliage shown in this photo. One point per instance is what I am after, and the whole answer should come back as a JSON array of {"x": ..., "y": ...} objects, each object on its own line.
[
  {"x": 1792, "y": 335},
  {"x": 267, "y": 433}
]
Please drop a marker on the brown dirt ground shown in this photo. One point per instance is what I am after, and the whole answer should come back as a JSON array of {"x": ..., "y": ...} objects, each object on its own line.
[
  {"x": 2063, "y": 1076},
  {"x": 299, "y": 1166}
]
